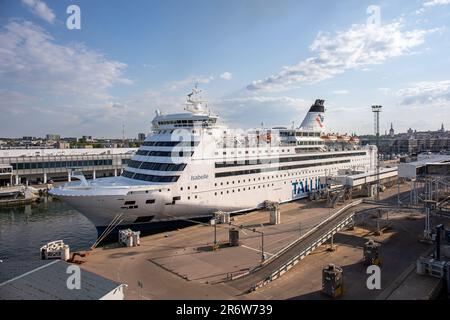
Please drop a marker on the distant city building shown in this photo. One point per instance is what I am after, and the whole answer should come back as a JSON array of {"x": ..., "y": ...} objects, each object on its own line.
[
  {"x": 54, "y": 137},
  {"x": 71, "y": 139},
  {"x": 28, "y": 138},
  {"x": 63, "y": 145},
  {"x": 411, "y": 142},
  {"x": 141, "y": 136},
  {"x": 87, "y": 138}
]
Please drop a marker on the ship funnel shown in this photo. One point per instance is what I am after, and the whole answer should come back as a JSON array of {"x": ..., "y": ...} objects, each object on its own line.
[{"x": 314, "y": 119}]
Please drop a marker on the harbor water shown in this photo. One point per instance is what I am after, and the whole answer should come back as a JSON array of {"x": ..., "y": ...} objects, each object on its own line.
[{"x": 24, "y": 229}]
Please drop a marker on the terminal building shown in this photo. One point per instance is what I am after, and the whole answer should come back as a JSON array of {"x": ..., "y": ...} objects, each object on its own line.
[{"x": 21, "y": 166}]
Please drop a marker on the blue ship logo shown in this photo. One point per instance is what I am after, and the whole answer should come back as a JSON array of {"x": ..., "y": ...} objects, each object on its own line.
[{"x": 304, "y": 186}]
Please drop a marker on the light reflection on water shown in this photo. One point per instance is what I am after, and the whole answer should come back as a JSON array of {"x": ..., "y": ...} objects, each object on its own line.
[{"x": 24, "y": 229}]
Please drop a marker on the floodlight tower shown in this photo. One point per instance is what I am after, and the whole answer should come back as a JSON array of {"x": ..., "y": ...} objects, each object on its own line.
[{"x": 376, "y": 112}]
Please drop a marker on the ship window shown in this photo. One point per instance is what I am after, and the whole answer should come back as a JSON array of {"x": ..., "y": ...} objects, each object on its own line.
[
  {"x": 144, "y": 219},
  {"x": 176, "y": 198},
  {"x": 129, "y": 202},
  {"x": 150, "y": 201}
]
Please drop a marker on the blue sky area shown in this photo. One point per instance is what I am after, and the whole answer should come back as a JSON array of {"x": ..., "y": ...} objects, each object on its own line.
[{"x": 257, "y": 61}]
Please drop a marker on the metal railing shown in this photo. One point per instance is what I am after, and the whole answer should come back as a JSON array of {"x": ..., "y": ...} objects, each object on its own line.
[{"x": 340, "y": 224}]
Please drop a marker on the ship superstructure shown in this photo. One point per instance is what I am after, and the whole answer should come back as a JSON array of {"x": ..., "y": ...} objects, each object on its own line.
[{"x": 191, "y": 165}]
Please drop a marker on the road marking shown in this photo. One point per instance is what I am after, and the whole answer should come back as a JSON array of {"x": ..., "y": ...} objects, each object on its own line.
[{"x": 257, "y": 250}]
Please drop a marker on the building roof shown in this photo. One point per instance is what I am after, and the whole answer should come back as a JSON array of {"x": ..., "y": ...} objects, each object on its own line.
[
  {"x": 63, "y": 152},
  {"x": 45, "y": 280}
]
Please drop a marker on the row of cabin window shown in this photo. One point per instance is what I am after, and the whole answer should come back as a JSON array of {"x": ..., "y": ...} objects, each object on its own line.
[
  {"x": 133, "y": 202},
  {"x": 171, "y": 143},
  {"x": 149, "y": 177},
  {"x": 164, "y": 153},
  {"x": 259, "y": 151},
  {"x": 244, "y": 188},
  {"x": 171, "y": 122},
  {"x": 274, "y": 176},
  {"x": 299, "y": 134},
  {"x": 262, "y": 170},
  {"x": 172, "y": 131},
  {"x": 156, "y": 166},
  {"x": 310, "y": 143},
  {"x": 250, "y": 162}
]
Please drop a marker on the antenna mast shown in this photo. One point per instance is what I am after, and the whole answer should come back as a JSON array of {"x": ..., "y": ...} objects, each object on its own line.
[{"x": 123, "y": 135}]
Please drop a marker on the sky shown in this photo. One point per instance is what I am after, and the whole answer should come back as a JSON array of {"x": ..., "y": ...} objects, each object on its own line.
[{"x": 256, "y": 62}]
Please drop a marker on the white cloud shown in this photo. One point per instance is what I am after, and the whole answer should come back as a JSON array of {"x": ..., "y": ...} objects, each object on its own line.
[
  {"x": 226, "y": 75},
  {"x": 341, "y": 92},
  {"x": 356, "y": 48},
  {"x": 433, "y": 3},
  {"x": 63, "y": 87},
  {"x": 426, "y": 94},
  {"x": 430, "y": 4},
  {"x": 40, "y": 9},
  {"x": 32, "y": 60}
]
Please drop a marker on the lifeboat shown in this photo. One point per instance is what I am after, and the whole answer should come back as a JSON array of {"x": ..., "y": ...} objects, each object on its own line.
[
  {"x": 344, "y": 138},
  {"x": 329, "y": 137}
]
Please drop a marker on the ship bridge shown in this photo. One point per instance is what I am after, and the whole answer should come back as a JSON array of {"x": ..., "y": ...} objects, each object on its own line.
[{"x": 198, "y": 115}]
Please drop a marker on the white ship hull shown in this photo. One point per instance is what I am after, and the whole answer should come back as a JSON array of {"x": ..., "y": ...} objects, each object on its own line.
[{"x": 173, "y": 179}]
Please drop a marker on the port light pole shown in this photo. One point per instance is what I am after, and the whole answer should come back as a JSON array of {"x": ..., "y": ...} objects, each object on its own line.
[{"x": 376, "y": 109}]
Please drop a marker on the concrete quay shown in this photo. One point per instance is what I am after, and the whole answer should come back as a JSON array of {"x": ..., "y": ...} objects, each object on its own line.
[{"x": 182, "y": 265}]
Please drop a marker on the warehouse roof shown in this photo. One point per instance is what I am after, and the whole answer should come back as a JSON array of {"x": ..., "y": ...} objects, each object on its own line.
[{"x": 48, "y": 281}]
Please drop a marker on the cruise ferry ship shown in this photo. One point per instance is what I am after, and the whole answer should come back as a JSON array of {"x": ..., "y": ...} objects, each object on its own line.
[{"x": 192, "y": 165}]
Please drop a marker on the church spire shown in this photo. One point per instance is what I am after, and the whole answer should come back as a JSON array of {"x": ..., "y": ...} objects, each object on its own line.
[{"x": 391, "y": 130}]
